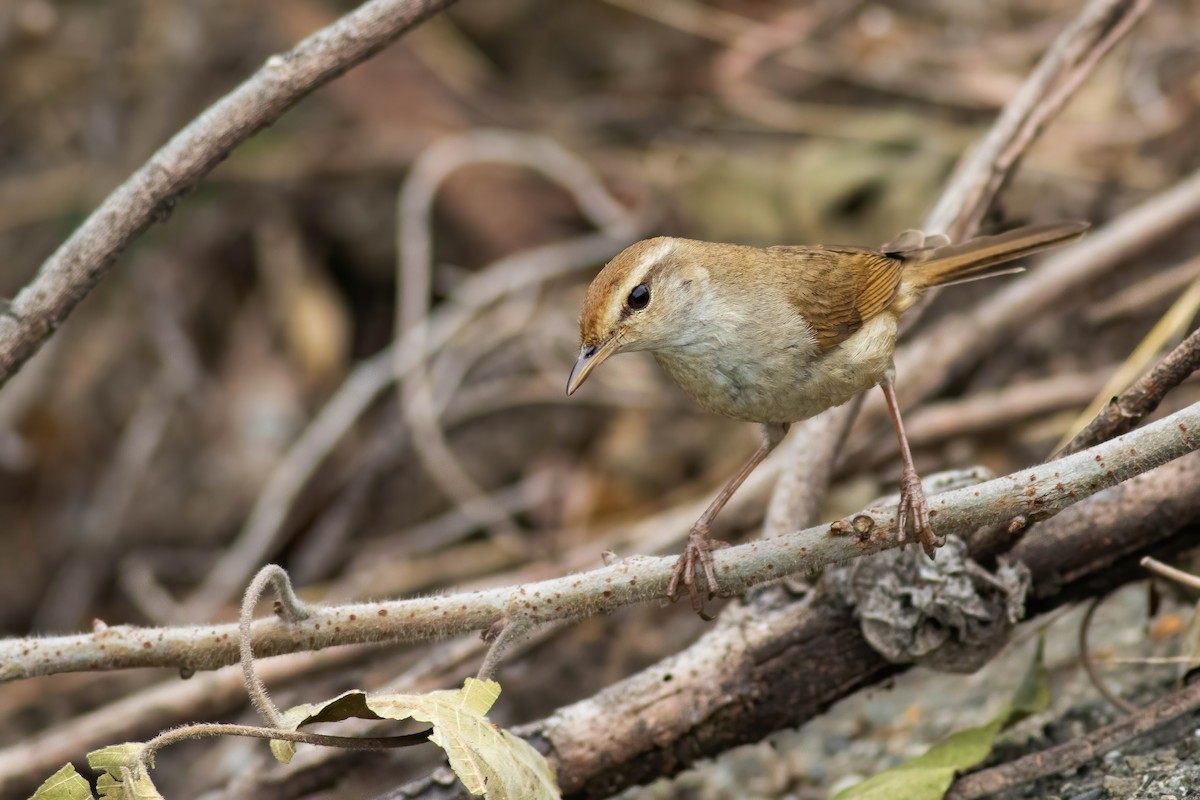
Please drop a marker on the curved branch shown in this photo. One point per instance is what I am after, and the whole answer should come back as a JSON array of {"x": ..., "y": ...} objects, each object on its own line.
[
  {"x": 149, "y": 194},
  {"x": 1037, "y": 493}
]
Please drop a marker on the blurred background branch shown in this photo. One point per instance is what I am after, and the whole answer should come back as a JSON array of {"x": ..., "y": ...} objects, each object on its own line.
[{"x": 151, "y": 192}]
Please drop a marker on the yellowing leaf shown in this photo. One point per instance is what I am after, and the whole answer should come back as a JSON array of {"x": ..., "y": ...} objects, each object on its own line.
[
  {"x": 66, "y": 784},
  {"x": 928, "y": 776},
  {"x": 489, "y": 761},
  {"x": 124, "y": 775}
]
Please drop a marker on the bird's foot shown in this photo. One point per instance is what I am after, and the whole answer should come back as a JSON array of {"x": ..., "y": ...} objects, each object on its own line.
[
  {"x": 912, "y": 503},
  {"x": 696, "y": 559}
]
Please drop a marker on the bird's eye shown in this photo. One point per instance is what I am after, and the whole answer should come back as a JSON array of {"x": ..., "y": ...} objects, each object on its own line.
[{"x": 639, "y": 298}]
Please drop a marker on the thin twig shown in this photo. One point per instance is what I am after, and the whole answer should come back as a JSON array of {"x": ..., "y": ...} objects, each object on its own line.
[
  {"x": 150, "y": 193},
  {"x": 1140, "y": 399},
  {"x": 293, "y": 611},
  {"x": 1085, "y": 658},
  {"x": 1170, "y": 327},
  {"x": 1076, "y": 752},
  {"x": 510, "y": 632},
  {"x": 1170, "y": 573},
  {"x": 187, "y": 732}
]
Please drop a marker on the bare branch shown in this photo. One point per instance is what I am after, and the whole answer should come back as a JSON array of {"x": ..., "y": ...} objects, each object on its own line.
[
  {"x": 1038, "y": 493},
  {"x": 1171, "y": 573},
  {"x": 150, "y": 193},
  {"x": 292, "y": 609}
]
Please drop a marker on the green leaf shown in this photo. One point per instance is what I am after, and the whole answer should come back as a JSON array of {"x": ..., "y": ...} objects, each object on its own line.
[
  {"x": 490, "y": 761},
  {"x": 125, "y": 776},
  {"x": 928, "y": 776},
  {"x": 66, "y": 784}
]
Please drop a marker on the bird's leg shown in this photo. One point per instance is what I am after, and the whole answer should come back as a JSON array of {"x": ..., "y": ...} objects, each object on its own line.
[
  {"x": 912, "y": 495},
  {"x": 697, "y": 556}
]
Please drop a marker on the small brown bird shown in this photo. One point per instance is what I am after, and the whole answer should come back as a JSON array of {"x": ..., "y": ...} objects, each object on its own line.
[{"x": 780, "y": 334}]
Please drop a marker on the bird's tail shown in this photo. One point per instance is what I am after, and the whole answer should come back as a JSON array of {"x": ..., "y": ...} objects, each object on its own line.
[{"x": 982, "y": 257}]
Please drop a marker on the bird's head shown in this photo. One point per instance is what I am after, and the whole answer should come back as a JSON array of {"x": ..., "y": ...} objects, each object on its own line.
[{"x": 646, "y": 298}]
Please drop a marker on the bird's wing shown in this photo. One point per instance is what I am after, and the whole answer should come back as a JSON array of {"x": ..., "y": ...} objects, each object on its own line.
[{"x": 837, "y": 289}]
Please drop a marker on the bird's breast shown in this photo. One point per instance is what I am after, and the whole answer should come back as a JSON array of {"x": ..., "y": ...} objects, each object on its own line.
[{"x": 779, "y": 375}]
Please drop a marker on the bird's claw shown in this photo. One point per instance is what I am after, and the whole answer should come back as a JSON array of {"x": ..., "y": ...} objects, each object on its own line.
[
  {"x": 912, "y": 501},
  {"x": 696, "y": 558}
]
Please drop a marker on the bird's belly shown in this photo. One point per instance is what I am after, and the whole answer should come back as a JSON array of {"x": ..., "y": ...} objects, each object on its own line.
[{"x": 783, "y": 383}]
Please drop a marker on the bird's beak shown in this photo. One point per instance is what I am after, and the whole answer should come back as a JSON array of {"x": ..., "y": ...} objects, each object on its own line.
[{"x": 590, "y": 357}]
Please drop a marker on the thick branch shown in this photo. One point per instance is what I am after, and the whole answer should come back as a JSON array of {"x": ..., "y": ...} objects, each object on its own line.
[
  {"x": 1037, "y": 493},
  {"x": 150, "y": 193}
]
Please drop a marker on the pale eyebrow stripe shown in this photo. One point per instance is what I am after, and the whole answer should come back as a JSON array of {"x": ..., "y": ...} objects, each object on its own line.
[{"x": 648, "y": 260}]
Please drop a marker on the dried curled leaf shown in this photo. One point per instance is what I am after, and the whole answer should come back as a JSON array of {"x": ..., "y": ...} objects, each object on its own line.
[
  {"x": 928, "y": 776},
  {"x": 66, "y": 784},
  {"x": 490, "y": 761}
]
